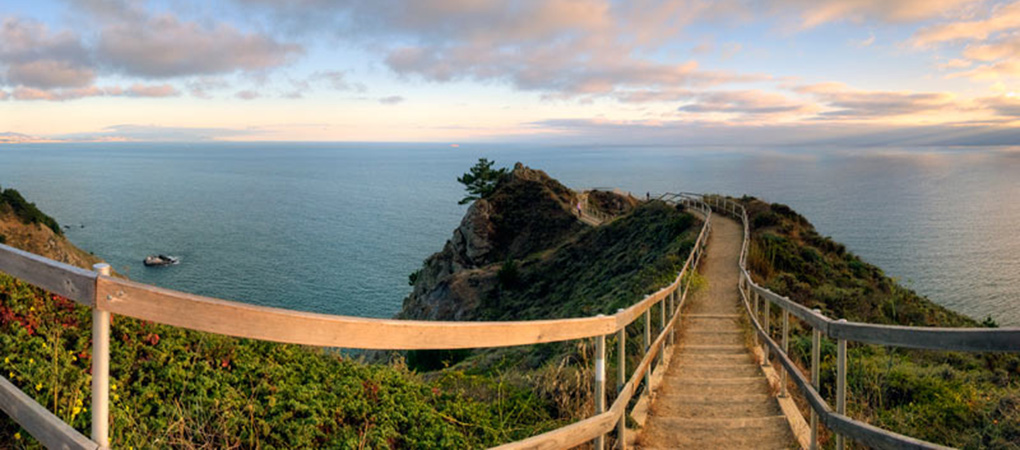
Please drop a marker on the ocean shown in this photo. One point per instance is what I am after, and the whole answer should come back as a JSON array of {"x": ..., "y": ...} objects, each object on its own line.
[{"x": 337, "y": 228}]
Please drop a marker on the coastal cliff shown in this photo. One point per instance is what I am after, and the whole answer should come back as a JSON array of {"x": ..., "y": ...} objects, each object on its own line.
[
  {"x": 529, "y": 211},
  {"x": 522, "y": 252}
]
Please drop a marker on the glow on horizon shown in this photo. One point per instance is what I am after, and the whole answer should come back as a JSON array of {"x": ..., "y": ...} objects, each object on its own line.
[{"x": 596, "y": 71}]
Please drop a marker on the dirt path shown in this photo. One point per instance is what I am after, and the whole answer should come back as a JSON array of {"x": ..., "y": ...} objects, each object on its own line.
[{"x": 714, "y": 395}]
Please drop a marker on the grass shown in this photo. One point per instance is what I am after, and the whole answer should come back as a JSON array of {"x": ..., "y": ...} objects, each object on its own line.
[{"x": 967, "y": 400}]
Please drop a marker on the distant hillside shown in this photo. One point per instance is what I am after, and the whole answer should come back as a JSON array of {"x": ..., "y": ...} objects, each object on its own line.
[{"x": 24, "y": 226}]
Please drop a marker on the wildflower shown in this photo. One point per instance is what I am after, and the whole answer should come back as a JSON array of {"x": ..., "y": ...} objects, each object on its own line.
[
  {"x": 17, "y": 436},
  {"x": 31, "y": 360},
  {"x": 31, "y": 308},
  {"x": 38, "y": 386},
  {"x": 10, "y": 374},
  {"x": 113, "y": 387},
  {"x": 116, "y": 397},
  {"x": 7, "y": 360},
  {"x": 75, "y": 411}
]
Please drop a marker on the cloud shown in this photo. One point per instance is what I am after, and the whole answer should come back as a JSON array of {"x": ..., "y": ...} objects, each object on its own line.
[
  {"x": 164, "y": 46},
  {"x": 247, "y": 95},
  {"x": 958, "y": 63},
  {"x": 137, "y": 90},
  {"x": 855, "y": 103},
  {"x": 561, "y": 48},
  {"x": 391, "y": 100},
  {"x": 201, "y": 86},
  {"x": 337, "y": 79},
  {"x": 987, "y": 72},
  {"x": 1006, "y": 106},
  {"x": 746, "y": 103},
  {"x": 34, "y": 56},
  {"x": 1001, "y": 17},
  {"x": 163, "y": 90},
  {"x": 1008, "y": 47},
  {"x": 813, "y": 13},
  {"x": 154, "y": 133}
]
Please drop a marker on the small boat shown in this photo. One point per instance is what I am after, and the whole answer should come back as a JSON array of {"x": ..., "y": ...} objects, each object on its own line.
[{"x": 160, "y": 260}]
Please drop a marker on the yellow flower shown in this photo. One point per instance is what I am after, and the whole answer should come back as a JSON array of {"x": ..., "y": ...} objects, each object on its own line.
[
  {"x": 116, "y": 397},
  {"x": 31, "y": 360},
  {"x": 38, "y": 386},
  {"x": 10, "y": 374},
  {"x": 74, "y": 358},
  {"x": 17, "y": 436},
  {"x": 113, "y": 387},
  {"x": 7, "y": 360},
  {"x": 31, "y": 308}
]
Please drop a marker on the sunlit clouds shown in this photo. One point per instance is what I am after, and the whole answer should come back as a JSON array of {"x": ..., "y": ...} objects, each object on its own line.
[{"x": 919, "y": 71}]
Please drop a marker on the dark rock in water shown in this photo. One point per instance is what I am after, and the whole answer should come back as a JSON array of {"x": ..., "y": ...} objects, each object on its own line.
[{"x": 160, "y": 260}]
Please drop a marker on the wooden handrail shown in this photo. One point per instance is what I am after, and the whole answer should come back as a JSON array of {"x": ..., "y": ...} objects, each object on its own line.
[
  {"x": 951, "y": 339},
  {"x": 113, "y": 295}
]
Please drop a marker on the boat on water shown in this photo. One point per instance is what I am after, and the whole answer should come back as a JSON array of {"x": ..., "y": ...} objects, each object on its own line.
[{"x": 160, "y": 260}]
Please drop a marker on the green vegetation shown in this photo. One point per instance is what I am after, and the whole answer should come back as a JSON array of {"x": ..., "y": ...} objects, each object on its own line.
[
  {"x": 11, "y": 200},
  {"x": 960, "y": 399},
  {"x": 481, "y": 180},
  {"x": 600, "y": 270},
  {"x": 178, "y": 388}
]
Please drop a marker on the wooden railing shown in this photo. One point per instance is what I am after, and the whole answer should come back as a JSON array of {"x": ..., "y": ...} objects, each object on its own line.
[
  {"x": 954, "y": 339},
  {"x": 105, "y": 295}
]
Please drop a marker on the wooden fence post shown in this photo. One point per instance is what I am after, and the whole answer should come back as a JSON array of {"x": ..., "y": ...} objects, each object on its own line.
[
  {"x": 786, "y": 347},
  {"x": 648, "y": 347},
  {"x": 621, "y": 377},
  {"x": 101, "y": 370},
  {"x": 816, "y": 352},
  {"x": 768, "y": 330},
  {"x": 841, "y": 385},
  {"x": 600, "y": 383}
]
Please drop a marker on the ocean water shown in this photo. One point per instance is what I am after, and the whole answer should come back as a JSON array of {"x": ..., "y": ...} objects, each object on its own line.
[{"x": 336, "y": 228}]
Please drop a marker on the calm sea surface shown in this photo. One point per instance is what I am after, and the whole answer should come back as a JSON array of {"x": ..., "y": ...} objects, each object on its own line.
[{"x": 336, "y": 228}]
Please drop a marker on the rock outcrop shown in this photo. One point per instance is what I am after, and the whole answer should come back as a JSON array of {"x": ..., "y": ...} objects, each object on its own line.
[{"x": 528, "y": 212}]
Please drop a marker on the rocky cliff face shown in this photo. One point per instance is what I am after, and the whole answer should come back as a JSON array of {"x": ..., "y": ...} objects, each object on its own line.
[{"x": 528, "y": 212}]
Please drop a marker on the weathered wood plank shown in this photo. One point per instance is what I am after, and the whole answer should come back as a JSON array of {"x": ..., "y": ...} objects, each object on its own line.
[
  {"x": 950, "y": 339},
  {"x": 45, "y": 427},
  {"x": 62, "y": 279},
  {"x": 281, "y": 325}
]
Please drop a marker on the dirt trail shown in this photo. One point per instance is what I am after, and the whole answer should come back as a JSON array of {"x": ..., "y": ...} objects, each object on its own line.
[{"x": 714, "y": 395}]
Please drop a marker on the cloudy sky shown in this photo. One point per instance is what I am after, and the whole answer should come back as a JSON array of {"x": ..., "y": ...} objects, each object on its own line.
[{"x": 841, "y": 72}]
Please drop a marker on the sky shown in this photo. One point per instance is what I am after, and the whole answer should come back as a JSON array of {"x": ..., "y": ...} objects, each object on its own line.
[{"x": 637, "y": 72}]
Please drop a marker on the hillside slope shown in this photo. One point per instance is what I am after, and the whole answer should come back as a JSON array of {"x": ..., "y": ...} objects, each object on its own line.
[
  {"x": 23, "y": 226},
  {"x": 967, "y": 400}
]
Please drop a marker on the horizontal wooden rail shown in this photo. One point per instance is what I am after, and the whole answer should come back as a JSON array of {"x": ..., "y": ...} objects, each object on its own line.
[
  {"x": 281, "y": 325},
  {"x": 930, "y": 338},
  {"x": 62, "y": 279},
  {"x": 45, "y": 427}
]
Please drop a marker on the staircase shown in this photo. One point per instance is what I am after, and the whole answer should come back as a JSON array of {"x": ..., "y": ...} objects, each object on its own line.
[{"x": 713, "y": 394}]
